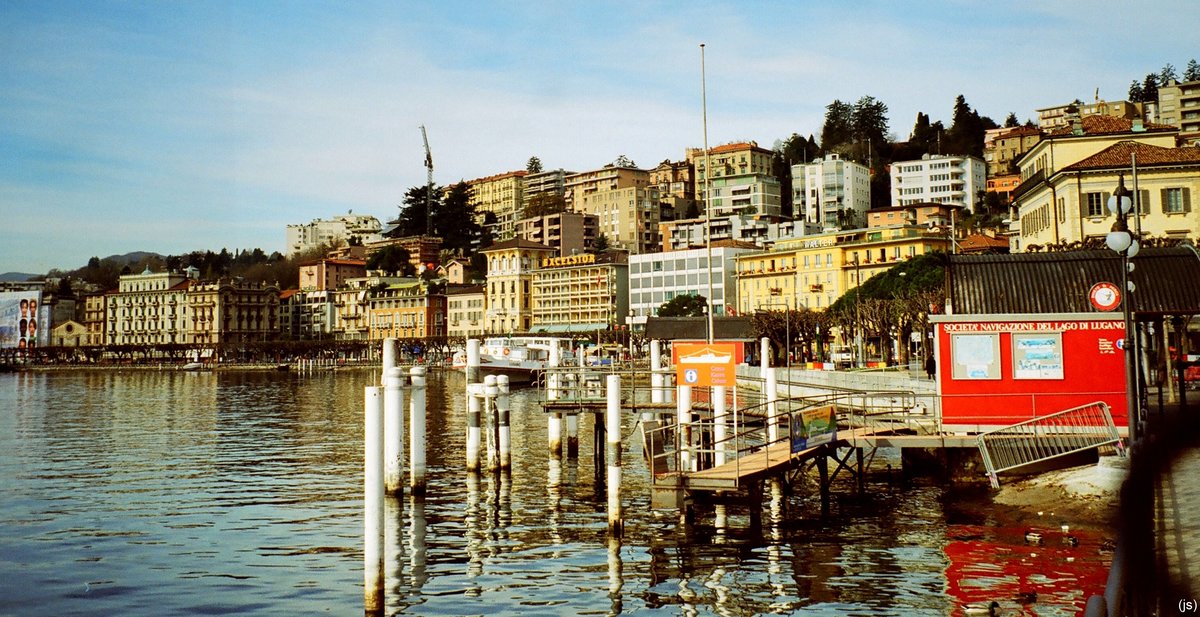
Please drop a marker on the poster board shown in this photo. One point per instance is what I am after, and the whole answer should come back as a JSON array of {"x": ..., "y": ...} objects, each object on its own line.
[
  {"x": 975, "y": 356},
  {"x": 1037, "y": 356},
  {"x": 813, "y": 427}
]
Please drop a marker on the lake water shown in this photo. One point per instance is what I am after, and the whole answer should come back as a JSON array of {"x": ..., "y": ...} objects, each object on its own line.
[{"x": 143, "y": 493}]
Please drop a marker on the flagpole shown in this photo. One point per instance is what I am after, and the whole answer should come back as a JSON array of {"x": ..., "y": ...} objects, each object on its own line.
[{"x": 707, "y": 201}]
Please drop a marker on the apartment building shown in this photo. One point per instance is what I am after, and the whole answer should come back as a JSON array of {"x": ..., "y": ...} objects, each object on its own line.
[
  {"x": 676, "y": 189},
  {"x": 465, "y": 306},
  {"x": 944, "y": 179},
  {"x": 658, "y": 278},
  {"x": 409, "y": 310},
  {"x": 1060, "y": 116},
  {"x": 148, "y": 309},
  {"x": 329, "y": 232},
  {"x": 328, "y": 274},
  {"x": 503, "y": 196},
  {"x": 741, "y": 180},
  {"x": 232, "y": 311},
  {"x": 94, "y": 307},
  {"x": 625, "y": 204},
  {"x": 929, "y": 215},
  {"x": 755, "y": 229},
  {"x": 831, "y": 193},
  {"x": 544, "y": 183},
  {"x": 814, "y": 271},
  {"x": 569, "y": 233},
  {"x": 422, "y": 250},
  {"x": 1179, "y": 106},
  {"x": 1006, "y": 147},
  {"x": 510, "y": 268},
  {"x": 581, "y": 293}
]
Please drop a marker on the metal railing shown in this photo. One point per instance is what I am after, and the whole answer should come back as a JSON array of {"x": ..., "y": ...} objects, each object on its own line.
[{"x": 1048, "y": 437}]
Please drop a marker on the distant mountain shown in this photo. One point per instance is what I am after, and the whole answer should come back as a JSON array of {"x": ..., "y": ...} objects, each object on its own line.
[
  {"x": 16, "y": 276},
  {"x": 133, "y": 257}
]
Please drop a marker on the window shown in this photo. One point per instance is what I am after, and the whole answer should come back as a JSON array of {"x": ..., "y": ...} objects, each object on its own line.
[
  {"x": 1093, "y": 205},
  {"x": 1176, "y": 201}
]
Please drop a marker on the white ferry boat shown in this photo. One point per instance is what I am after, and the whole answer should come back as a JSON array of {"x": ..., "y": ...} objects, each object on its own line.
[{"x": 519, "y": 357}]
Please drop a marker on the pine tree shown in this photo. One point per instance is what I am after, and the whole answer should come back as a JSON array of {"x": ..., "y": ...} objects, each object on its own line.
[
  {"x": 1136, "y": 94},
  {"x": 1192, "y": 72}
]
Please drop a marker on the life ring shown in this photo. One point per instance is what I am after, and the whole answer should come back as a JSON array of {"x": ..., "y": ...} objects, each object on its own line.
[{"x": 507, "y": 351}]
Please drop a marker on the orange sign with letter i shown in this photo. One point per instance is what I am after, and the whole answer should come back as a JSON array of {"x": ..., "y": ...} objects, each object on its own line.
[{"x": 705, "y": 364}]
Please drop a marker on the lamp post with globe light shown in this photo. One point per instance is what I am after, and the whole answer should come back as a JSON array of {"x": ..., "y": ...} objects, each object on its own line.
[{"x": 1122, "y": 241}]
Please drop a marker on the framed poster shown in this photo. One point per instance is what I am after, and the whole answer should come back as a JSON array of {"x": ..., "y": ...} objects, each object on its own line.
[
  {"x": 975, "y": 356},
  {"x": 1037, "y": 356}
]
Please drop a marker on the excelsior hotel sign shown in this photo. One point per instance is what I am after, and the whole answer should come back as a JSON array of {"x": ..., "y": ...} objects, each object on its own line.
[{"x": 705, "y": 364}]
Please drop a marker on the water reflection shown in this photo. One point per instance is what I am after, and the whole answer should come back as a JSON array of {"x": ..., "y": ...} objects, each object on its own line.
[{"x": 150, "y": 493}]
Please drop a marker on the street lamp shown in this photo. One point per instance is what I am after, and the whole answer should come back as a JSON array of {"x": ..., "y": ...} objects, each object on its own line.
[{"x": 1122, "y": 241}]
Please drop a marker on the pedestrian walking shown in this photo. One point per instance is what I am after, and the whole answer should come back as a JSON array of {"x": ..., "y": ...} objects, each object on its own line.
[{"x": 930, "y": 366}]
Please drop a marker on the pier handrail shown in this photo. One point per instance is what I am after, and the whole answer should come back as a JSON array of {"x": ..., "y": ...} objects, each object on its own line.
[{"x": 1048, "y": 437}]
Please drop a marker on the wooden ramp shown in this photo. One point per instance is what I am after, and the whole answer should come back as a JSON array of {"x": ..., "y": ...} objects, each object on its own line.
[{"x": 764, "y": 461}]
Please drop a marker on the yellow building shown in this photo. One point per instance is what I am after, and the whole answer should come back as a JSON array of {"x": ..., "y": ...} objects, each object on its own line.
[
  {"x": 510, "y": 268},
  {"x": 1066, "y": 180},
  {"x": 93, "y": 319},
  {"x": 502, "y": 195},
  {"x": 814, "y": 271},
  {"x": 581, "y": 293},
  {"x": 415, "y": 309}
]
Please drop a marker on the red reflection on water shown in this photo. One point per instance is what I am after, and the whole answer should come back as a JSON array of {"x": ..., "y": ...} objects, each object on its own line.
[{"x": 1026, "y": 577}]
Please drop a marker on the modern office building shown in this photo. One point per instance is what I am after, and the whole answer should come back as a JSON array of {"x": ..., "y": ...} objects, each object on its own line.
[
  {"x": 658, "y": 278},
  {"x": 755, "y": 229},
  {"x": 944, "y": 179}
]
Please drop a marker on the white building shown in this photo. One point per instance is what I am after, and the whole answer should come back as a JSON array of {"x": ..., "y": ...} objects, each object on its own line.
[
  {"x": 826, "y": 191},
  {"x": 339, "y": 229},
  {"x": 659, "y": 277},
  {"x": 942, "y": 179}
]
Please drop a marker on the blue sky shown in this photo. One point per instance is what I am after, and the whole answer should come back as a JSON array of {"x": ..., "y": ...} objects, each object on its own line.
[{"x": 180, "y": 126}]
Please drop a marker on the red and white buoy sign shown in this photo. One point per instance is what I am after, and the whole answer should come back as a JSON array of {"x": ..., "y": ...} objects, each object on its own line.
[{"x": 1105, "y": 296}]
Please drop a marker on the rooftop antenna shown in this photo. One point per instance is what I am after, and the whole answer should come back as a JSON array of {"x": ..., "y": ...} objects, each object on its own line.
[{"x": 428, "y": 184}]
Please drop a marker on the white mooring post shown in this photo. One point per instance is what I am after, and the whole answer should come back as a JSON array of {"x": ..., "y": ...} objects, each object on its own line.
[
  {"x": 390, "y": 355},
  {"x": 720, "y": 424},
  {"x": 502, "y": 414},
  {"x": 474, "y": 433},
  {"x": 683, "y": 423},
  {"x": 656, "y": 376},
  {"x": 473, "y": 392},
  {"x": 373, "y": 501},
  {"x": 490, "y": 390},
  {"x": 554, "y": 418},
  {"x": 393, "y": 429},
  {"x": 612, "y": 427},
  {"x": 764, "y": 356},
  {"x": 416, "y": 422},
  {"x": 772, "y": 386}
]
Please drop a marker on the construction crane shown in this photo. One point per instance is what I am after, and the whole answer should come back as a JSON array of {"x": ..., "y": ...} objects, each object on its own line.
[{"x": 428, "y": 184}]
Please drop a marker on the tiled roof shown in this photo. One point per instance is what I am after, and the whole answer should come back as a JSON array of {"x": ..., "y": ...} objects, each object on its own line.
[
  {"x": 1108, "y": 125},
  {"x": 735, "y": 148},
  {"x": 1019, "y": 131},
  {"x": 1119, "y": 155},
  {"x": 980, "y": 242}
]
